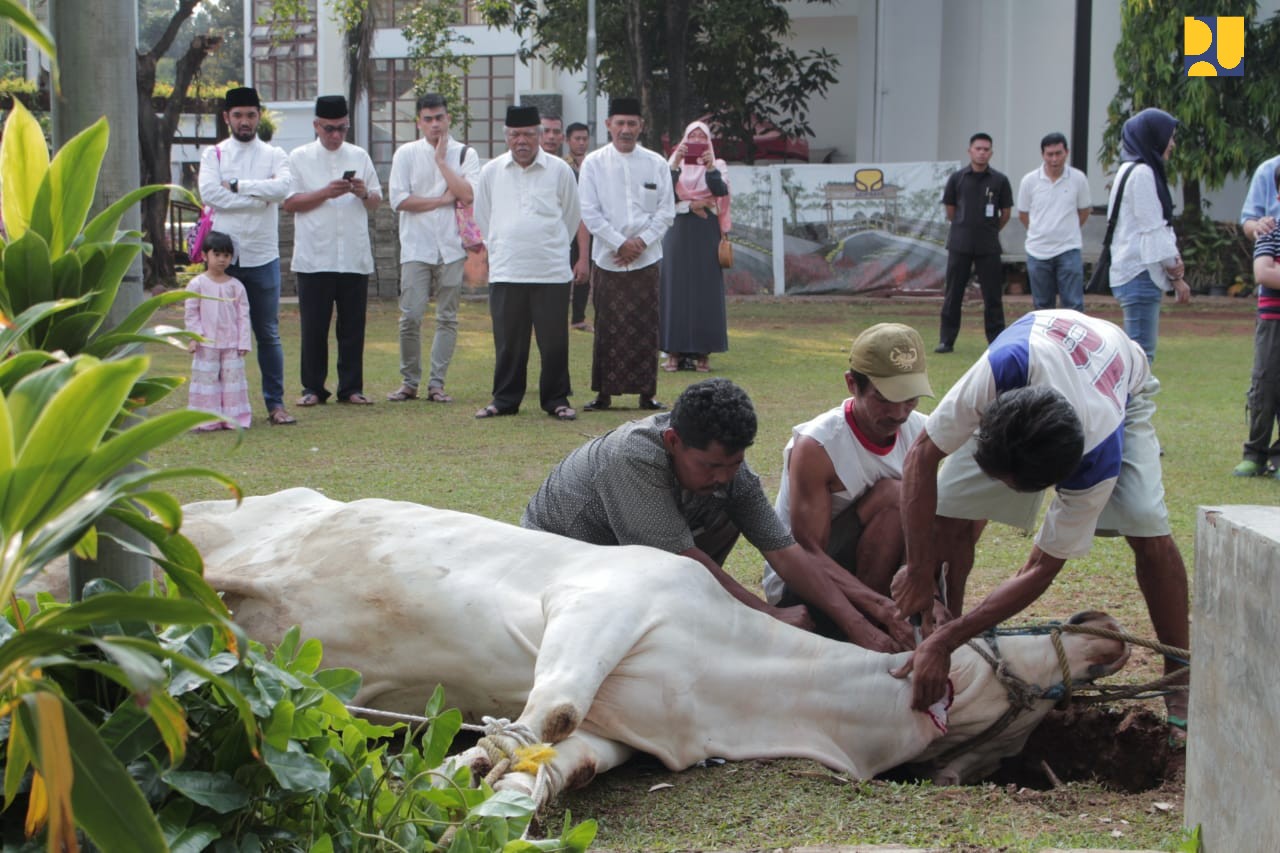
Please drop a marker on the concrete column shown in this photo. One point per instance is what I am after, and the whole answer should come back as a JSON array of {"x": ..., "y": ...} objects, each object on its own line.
[{"x": 1233, "y": 765}]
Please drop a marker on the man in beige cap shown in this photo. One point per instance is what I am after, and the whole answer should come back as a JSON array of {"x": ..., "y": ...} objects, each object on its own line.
[{"x": 842, "y": 471}]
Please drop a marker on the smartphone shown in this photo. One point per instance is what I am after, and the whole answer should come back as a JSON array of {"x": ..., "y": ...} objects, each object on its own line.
[
  {"x": 693, "y": 152},
  {"x": 349, "y": 175}
]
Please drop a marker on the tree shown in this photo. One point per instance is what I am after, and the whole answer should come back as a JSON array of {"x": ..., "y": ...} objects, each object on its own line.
[
  {"x": 1226, "y": 122},
  {"x": 725, "y": 58},
  {"x": 156, "y": 130}
]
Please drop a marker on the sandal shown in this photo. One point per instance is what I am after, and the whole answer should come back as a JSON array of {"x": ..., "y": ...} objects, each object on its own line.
[
  {"x": 703, "y": 365},
  {"x": 404, "y": 392},
  {"x": 309, "y": 399},
  {"x": 279, "y": 417},
  {"x": 356, "y": 399},
  {"x": 491, "y": 411},
  {"x": 597, "y": 405},
  {"x": 437, "y": 395},
  {"x": 564, "y": 413},
  {"x": 671, "y": 365}
]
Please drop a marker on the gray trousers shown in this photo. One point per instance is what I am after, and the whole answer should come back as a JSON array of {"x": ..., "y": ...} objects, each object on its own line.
[
  {"x": 1264, "y": 395},
  {"x": 418, "y": 282}
]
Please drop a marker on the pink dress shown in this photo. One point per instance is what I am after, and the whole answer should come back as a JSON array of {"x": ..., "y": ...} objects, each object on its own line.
[{"x": 218, "y": 383}]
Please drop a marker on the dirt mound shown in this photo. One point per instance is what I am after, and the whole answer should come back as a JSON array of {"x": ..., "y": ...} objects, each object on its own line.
[{"x": 1126, "y": 750}]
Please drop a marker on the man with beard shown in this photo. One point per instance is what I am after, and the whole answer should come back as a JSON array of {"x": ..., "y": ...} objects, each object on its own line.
[
  {"x": 244, "y": 180},
  {"x": 627, "y": 205}
]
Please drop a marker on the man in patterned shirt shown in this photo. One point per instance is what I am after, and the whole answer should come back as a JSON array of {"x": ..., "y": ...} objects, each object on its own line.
[{"x": 679, "y": 482}]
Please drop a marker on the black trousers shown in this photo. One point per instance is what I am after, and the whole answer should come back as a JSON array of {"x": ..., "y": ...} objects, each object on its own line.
[
  {"x": 990, "y": 278},
  {"x": 518, "y": 309},
  {"x": 319, "y": 294}
]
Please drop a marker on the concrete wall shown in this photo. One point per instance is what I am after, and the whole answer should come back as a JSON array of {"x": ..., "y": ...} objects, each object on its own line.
[{"x": 1233, "y": 766}]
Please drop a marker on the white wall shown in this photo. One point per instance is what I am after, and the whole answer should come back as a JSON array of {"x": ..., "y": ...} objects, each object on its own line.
[{"x": 834, "y": 117}]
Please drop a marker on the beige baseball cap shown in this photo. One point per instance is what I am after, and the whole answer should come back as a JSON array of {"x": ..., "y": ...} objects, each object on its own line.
[{"x": 892, "y": 356}]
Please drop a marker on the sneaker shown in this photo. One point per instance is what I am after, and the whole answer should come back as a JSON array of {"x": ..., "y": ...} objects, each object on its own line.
[{"x": 1248, "y": 468}]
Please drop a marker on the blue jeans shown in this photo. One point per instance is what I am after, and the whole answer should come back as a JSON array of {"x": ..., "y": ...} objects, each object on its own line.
[
  {"x": 262, "y": 286},
  {"x": 1140, "y": 299},
  {"x": 1058, "y": 278}
]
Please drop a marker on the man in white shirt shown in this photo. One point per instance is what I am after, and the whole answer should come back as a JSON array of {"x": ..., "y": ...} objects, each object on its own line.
[
  {"x": 527, "y": 206},
  {"x": 1059, "y": 400},
  {"x": 332, "y": 188},
  {"x": 1053, "y": 204},
  {"x": 244, "y": 180},
  {"x": 429, "y": 178},
  {"x": 841, "y": 472},
  {"x": 627, "y": 205}
]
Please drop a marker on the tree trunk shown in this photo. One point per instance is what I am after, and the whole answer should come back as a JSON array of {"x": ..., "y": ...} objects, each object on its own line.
[
  {"x": 359, "y": 61},
  {"x": 1192, "y": 208},
  {"x": 677, "y": 69},
  {"x": 640, "y": 68}
]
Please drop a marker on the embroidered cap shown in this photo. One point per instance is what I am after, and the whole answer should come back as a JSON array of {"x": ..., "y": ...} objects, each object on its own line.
[{"x": 891, "y": 355}]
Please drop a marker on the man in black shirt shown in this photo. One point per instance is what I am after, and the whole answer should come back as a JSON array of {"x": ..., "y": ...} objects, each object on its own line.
[{"x": 979, "y": 201}]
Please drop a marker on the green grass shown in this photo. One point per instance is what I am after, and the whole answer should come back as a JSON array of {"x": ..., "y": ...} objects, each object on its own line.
[{"x": 790, "y": 355}]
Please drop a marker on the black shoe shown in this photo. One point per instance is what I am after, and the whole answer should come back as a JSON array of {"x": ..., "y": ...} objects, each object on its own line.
[{"x": 944, "y": 348}]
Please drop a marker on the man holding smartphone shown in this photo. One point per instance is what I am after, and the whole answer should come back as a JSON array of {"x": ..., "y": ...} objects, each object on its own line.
[{"x": 332, "y": 188}]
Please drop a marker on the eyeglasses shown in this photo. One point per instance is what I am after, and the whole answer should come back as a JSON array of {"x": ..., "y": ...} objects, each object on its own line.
[{"x": 335, "y": 128}]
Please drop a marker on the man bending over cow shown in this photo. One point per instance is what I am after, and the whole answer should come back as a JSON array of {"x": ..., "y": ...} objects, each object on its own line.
[
  {"x": 842, "y": 470},
  {"x": 1059, "y": 399},
  {"x": 679, "y": 482}
]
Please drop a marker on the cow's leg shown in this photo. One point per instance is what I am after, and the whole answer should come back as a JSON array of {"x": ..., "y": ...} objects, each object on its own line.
[
  {"x": 585, "y": 639},
  {"x": 579, "y": 759}
]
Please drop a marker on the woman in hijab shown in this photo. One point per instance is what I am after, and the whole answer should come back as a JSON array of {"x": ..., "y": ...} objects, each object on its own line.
[
  {"x": 1145, "y": 263},
  {"x": 693, "y": 313}
]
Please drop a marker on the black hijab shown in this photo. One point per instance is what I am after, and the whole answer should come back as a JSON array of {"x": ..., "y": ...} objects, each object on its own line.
[{"x": 1145, "y": 137}]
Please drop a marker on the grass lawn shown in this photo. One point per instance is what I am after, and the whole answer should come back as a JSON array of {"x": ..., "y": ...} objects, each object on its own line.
[{"x": 790, "y": 355}]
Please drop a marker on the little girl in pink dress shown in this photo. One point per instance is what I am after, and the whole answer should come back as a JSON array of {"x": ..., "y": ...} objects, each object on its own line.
[{"x": 218, "y": 382}]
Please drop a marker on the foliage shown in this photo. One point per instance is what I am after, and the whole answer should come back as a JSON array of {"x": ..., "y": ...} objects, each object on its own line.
[
  {"x": 436, "y": 67},
  {"x": 320, "y": 779},
  {"x": 1224, "y": 127},
  {"x": 53, "y": 254},
  {"x": 1215, "y": 253},
  {"x": 683, "y": 59},
  {"x": 223, "y": 18},
  {"x": 1191, "y": 841}
]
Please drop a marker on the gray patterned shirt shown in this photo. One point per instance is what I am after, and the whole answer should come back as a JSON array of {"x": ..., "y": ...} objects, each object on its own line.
[{"x": 620, "y": 489}]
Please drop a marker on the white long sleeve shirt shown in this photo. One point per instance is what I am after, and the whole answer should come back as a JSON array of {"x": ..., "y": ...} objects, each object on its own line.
[
  {"x": 430, "y": 236},
  {"x": 528, "y": 216},
  {"x": 625, "y": 196},
  {"x": 1142, "y": 240},
  {"x": 251, "y": 215},
  {"x": 333, "y": 237}
]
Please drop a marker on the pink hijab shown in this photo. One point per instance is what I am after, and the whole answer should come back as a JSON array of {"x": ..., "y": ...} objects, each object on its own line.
[{"x": 693, "y": 178}]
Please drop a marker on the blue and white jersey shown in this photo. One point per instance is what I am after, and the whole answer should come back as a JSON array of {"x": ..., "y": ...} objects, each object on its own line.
[{"x": 1091, "y": 362}]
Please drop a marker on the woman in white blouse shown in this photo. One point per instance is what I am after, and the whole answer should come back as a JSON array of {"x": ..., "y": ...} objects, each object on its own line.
[{"x": 1145, "y": 263}]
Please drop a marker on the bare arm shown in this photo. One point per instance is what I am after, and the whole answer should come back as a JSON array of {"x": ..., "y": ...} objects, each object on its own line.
[
  {"x": 1255, "y": 228},
  {"x": 913, "y": 590},
  {"x": 1004, "y": 216},
  {"x": 951, "y": 212},
  {"x": 930, "y": 665},
  {"x": 1084, "y": 215},
  {"x": 1266, "y": 271},
  {"x": 791, "y": 615},
  {"x": 453, "y": 178},
  {"x": 1024, "y": 218}
]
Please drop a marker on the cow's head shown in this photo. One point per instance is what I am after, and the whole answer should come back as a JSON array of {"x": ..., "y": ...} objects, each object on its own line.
[{"x": 1091, "y": 656}]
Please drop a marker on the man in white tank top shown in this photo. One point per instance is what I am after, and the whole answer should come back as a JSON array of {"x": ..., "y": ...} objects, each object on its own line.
[{"x": 842, "y": 470}]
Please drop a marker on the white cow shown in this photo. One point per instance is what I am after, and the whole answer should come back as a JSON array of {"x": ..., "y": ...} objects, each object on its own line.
[{"x": 599, "y": 650}]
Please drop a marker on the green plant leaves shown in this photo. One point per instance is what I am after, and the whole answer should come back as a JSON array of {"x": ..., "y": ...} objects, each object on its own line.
[
  {"x": 218, "y": 791},
  {"x": 24, "y": 160}
]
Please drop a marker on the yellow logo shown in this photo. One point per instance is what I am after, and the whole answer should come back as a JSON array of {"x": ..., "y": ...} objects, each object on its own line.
[
  {"x": 868, "y": 180},
  {"x": 903, "y": 358},
  {"x": 1213, "y": 47}
]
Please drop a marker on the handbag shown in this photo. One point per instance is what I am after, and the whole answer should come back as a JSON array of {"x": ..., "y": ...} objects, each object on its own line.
[
  {"x": 725, "y": 252},
  {"x": 465, "y": 215},
  {"x": 1100, "y": 281},
  {"x": 197, "y": 232}
]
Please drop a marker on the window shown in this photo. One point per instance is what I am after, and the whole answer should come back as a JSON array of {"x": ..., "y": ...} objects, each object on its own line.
[
  {"x": 386, "y": 13},
  {"x": 284, "y": 62},
  {"x": 487, "y": 90}
]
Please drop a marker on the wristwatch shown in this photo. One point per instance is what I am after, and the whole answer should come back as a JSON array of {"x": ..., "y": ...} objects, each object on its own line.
[{"x": 235, "y": 185}]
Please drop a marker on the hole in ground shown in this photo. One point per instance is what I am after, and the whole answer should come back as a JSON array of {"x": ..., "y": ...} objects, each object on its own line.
[{"x": 1126, "y": 749}]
